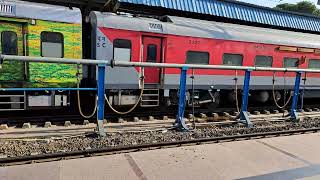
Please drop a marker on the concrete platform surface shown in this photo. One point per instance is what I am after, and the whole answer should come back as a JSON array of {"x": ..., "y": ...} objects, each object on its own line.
[{"x": 290, "y": 157}]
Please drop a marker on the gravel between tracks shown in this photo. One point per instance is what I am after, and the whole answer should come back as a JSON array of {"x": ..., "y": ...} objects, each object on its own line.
[{"x": 13, "y": 148}]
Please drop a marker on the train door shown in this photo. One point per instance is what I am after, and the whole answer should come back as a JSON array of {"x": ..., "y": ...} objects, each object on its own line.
[
  {"x": 12, "y": 73},
  {"x": 11, "y": 43},
  {"x": 152, "y": 53}
]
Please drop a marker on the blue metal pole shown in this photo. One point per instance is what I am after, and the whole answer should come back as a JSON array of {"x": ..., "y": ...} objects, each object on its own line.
[
  {"x": 100, "y": 110},
  {"x": 302, "y": 93},
  {"x": 182, "y": 100},
  {"x": 293, "y": 111},
  {"x": 244, "y": 116}
]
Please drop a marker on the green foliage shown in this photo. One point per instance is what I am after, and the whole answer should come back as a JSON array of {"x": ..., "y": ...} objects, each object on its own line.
[{"x": 305, "y": 7}]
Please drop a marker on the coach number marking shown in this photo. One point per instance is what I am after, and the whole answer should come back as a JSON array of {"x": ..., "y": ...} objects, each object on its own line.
[{"x": 101, "y": 41}]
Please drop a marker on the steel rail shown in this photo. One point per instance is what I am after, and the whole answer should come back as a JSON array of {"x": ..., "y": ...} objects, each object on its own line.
[
  {"x": 47, "y": 89},
  {"x": 114, "y": 63},
  {"x": 216, "y": 67},
  {"x": 125, "y": 149},
  {"x": 54, "y": 117},
  {"x": 52, "y": 60}
]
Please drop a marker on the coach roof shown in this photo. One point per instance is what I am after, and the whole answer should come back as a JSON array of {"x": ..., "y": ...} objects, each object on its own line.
[
  {"x": 30, "y": 10},
  {"x": 206, "y": 29}
]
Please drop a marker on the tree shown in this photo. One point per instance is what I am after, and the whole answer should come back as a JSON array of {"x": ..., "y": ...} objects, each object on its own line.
[{"x": 305, "y": 7}]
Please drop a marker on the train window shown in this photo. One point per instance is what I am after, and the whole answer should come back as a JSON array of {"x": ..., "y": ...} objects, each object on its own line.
[
  {"x": 122, "y": 50},
  {"x": 263, "y": 61},
  {"x": 290, "y": 62},
  {"x": 314, "y": 64},
  {"x": 152, "y": 53},
  {"x": 232, "y": 59},
  {"x": 52, "y": 44},
  {"x": 196, "y": 57},
  {"x": 9, "y": 43}
]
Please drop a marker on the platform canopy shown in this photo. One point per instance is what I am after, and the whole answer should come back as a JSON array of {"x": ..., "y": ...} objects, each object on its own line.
[
  {"x": 217, "y": 10},
  {"x": 232, "y": 10}
]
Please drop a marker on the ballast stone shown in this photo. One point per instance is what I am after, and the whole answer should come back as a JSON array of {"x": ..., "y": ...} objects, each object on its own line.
[
  {"x": 67, "y": 124},
  {"x": 4, "y": 127},
  {"x": 266, "y": 112},
  {"x": 26, "y": 126},
  {"x": 200, "y": 120},
  {"x": 202, "y": 115},
  {"x": 236, "y": 113},
  {"x": 275, "y": 112},
  {"x": 136, "y": 119},
  {"x": 47, "y": 124},
  {"x": 225, "y": 114},
  {"x": 309, "y": 110},
  {"x": 215, "y": 116},
  {"x": 190, "y": 116},
  {"x": 256, "y": 113},
  {"x": 151, "y": 118},
  {"x": 120, "y": 120}
]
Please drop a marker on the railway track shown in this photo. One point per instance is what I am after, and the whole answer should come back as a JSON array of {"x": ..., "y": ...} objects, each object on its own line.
[
  {"x": 140, "y": 126},
  {"x": 74, "y": 117},
  {"x": 277, "y": 127},
  {"x": 56, "y": 117},
  {"x": 143, "y": 147}
]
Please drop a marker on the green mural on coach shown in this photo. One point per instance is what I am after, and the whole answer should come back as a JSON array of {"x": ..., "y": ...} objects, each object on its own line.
[{"x": 32, "y": 38}]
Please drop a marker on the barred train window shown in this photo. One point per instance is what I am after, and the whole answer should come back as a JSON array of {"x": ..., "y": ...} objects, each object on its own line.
[
  {"x": 196, "y": 57},
  {"x": 263, "y": 61},
  {"x": 232, "y": 59},
  {"x": 52, "y": 44},
  {"x": 152, "y": 53},
  {"x": 9, "y": 43},
  {"x": 290, "y": 62},
  {"x": 122, "y": 50},
  {"x": 314, "y": 64}
]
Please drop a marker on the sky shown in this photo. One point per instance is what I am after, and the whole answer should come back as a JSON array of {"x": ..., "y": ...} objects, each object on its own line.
[{"x": 273, "y": 3}]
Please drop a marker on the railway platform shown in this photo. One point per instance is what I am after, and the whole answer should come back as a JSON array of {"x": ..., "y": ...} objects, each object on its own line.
[{"x": 287, "y": 157}]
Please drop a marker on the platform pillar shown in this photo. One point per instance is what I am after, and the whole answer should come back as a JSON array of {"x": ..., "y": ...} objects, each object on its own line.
[
  {"x": 244, "y": 116},
  {"x": 180, "y": 122},
  {"x": 293, "y": 111},
  {"x": 101, "y": 101}
]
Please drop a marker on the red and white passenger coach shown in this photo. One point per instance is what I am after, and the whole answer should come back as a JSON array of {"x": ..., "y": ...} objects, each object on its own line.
[{"x": 189, "y": 41}]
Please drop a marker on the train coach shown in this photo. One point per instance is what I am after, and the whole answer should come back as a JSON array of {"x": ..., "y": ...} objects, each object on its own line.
[
  {"x": 32, "y": 29},
  {"x": 189, "y": 41}
]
